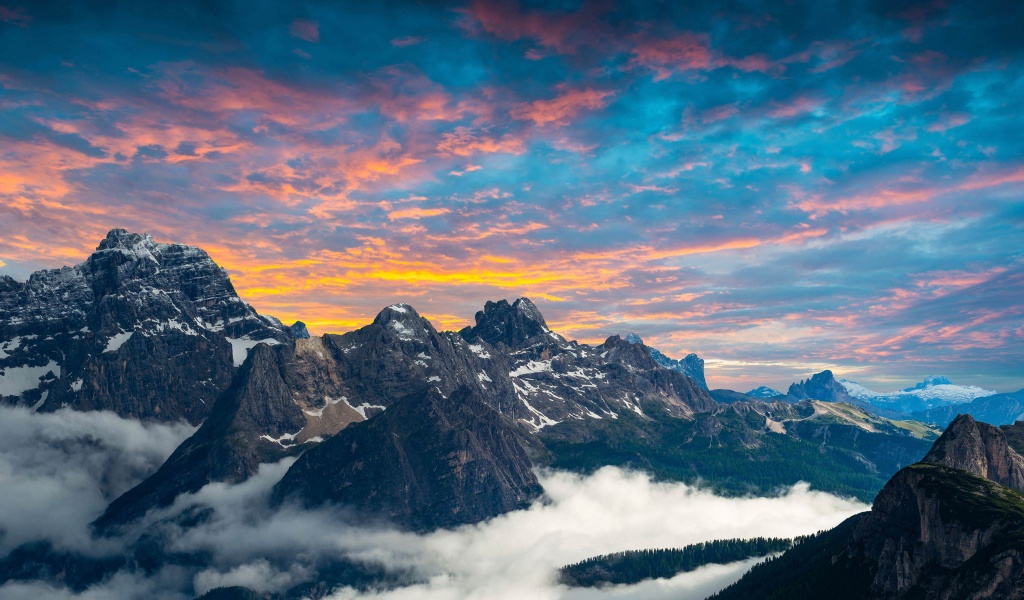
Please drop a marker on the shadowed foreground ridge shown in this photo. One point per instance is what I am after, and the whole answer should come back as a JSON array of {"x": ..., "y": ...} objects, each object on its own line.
[
  {"x": 426, "y": 462},
  {"x": 938, "y": 530}
]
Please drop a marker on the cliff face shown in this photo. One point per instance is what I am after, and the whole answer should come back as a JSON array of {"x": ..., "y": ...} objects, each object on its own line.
[
  {"x": 937, "y": 532},
  {"x": 427, "y": 462},
  {"x": 240, "y": 433},
  {"x": 821, "y": 386},
  {"x": 947, "y": 528},
  {"x": 144, "y": 329},
  {"x": 981, "y": 449}
]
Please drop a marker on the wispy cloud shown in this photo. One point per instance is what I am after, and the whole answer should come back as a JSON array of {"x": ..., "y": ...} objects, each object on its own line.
[{"x": 793, "y": 167}]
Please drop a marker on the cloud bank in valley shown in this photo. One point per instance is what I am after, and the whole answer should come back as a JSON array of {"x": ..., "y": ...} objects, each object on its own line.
[
  {"x": 512, "y": 556},
  {"x": 58, "y": 471}
]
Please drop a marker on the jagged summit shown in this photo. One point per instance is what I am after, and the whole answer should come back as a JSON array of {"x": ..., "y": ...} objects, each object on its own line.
[
  {"x": 142, "y": 328},
  {"x": 403, "y": 321},
  {"x": 691, "y": 365},
  {"x": 508, "y": 324},
  {"x": 820, "y": 386},
  {"x": 122, "y": 239},
  {"x": 764, "y": 392},
  {"x": 633, "y": 338},
  {"x": 978, "y": 448},
  {"x": 299, "y": 330},
  {"x": 400, "y": 311}
]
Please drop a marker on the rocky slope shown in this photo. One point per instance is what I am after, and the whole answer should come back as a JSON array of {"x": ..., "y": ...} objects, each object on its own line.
[
  {"x": 141, "y": 328},
  {"x": 823, "y": 386},
  {"x": 429, "y": 461},
  {"x": 691, "y": 365},
  {"x": 979, "y": 449},
  {"x": 244, "y": 429},
  {"x": 934, "y": 531}
]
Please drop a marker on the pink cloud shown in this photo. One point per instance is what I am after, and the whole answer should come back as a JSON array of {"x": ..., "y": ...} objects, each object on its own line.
[
  {"x": 464, "y": 141},
  {"x": 16, "y": 16},
  {"x": 562, "y": 32},
  {"x": 949, "y": 121},
  {"x": 305, "y": 29},
  {"x": 559, "y": 110},
  {"x": 794, "y": 107},
  {"x": 719, "y": 113},
  {"x": 409, "y": 40}
]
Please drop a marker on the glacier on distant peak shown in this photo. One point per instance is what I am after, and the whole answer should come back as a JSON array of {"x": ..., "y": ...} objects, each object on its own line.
[{"x": 932, "y": 392}]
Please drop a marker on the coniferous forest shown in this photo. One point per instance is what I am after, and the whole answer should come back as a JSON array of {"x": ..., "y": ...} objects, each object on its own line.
[{"x": 633, "y": 566}]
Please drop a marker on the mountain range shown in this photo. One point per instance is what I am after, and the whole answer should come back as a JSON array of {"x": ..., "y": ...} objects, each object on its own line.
[
  {"x": 396, "y": 422},
  {"x": 933, "y": 392}
]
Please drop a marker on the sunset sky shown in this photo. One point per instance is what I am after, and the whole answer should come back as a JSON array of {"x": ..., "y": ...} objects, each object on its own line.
[{"x": 780, "y": 187}]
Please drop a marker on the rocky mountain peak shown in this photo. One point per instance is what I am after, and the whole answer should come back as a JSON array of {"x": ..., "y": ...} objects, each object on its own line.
[
  {"x": 299, "y": 330},
  {"x": 529, "y": 310},
  {"x": 629, "y": 353},
  {"x": 764, "y": 392},
  {"x": 396, "y": 312},
  {"x": 978, "y": 448},
  {"x": 122, "y": 239},
  {"x": 929, "y": 382},
  {"x": 633, "y": 338},
  {"x": 510, "y": 324},
  {"x": 403, "y": 320},
  {"x": 142, "y": 328},
  {"x": 821, "y": 386}
]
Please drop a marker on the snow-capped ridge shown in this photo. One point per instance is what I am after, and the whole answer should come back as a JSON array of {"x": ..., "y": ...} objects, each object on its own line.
[{"x": 932, "y": 392}]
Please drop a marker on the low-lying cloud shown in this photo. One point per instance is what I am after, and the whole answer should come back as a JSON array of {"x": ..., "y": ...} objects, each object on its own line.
[
  {"x": 510, "y": 557},
  {"x": 58, "y": 471}
]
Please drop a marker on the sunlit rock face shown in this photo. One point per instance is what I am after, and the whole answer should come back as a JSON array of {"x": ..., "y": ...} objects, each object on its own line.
[{"x": 143, "y": 329}]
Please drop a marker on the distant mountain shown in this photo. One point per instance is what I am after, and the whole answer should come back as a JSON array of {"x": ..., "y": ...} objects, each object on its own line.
[
  {"x": 730, "y": 396},
  {"x": 144, "y": 329},
  {"x": 933, "y": 392},
  {"x": 691, "y": 365},
  {"x": 765, "y": 392},
  {"x": 998, "y": 409},
  {"x": 823, "y": 386},
  {"x": 749, "y": 447},
  {"x": 943, "y": 528}
]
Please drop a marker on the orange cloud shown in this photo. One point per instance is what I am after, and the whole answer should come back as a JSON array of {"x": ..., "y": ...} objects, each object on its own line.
[
  {"x": 562, "y": 108},
  {"x": 416, "y": 213},
  {"x": 463, "y": 141}
]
